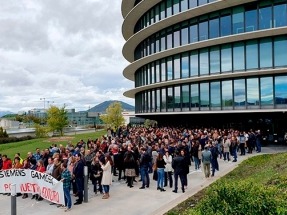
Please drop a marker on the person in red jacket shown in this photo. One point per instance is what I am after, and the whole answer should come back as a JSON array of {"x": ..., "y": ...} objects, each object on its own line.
[{"x": 7, "y": 163}]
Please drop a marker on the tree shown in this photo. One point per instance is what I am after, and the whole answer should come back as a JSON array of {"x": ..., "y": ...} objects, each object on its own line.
[
  {"x": 113, "y": 116},
  {"x": 57, "y": 119}
]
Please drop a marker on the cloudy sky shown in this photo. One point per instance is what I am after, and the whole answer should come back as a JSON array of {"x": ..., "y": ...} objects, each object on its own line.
[{"x": 66, "y": 51}]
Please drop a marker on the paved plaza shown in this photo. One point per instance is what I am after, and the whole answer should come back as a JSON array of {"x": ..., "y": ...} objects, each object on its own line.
[{"x": 129, "y": 201}]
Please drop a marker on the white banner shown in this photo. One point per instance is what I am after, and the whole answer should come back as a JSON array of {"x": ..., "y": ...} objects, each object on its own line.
[{"x": 31, "y": 181}]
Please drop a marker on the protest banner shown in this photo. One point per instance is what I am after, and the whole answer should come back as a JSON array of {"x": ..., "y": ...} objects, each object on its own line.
[{"x": 31, "y": 181}]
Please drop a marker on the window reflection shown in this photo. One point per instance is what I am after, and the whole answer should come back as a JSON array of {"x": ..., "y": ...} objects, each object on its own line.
[
  {"x": 266, "y": 53},
  {"x": 169, "y": 68},
  {"x": 204, "y": 96},
  {"x": 252, "y": 93},
  {"x": 280, "y": 53},
  {"x": 194, "y": 96},
  {"x": 169, "y": 99},
  {"x": 214, "y": 60},
  {"x": 251, "y": 54},
  {"x": 163, "y": 70},
  {"x": 185, "y": 97},
  {"x": 265, "y": 18},
  {"x": 177, "y": 100},
  {"x": 266, "y": 91},
  {"x": 158, "y": 99},
  {"x": 204, "y": 62},
  {"x": 239, "y": 94},
  {"x": 215, "y": 95},
  {"x": 227, "y": 97},
  {"x": 194, "y": 63},
  {"x": 238, "y": 56},
  {"x": 226, "y": 61},
  {"x": 281, "y": 90},
  {"x": 184, "y": 66},
  {"x": 177, "y": 67},
  {"x": 163, "y": 100}
]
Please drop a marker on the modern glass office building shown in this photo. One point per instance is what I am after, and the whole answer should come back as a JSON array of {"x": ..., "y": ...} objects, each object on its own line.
[{"x": 208, "y": 62}]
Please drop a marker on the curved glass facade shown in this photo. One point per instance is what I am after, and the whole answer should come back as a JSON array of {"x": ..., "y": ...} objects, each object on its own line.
[
  {"x": 265, "y": 53},
  {"x": 241, "y": 19},
  {"x": 266, "y": 92},
  {"x": 240, "y": 68},
  {"x": 165, "y": 9}
]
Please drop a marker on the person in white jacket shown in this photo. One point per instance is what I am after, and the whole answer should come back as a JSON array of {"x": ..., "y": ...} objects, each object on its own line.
[{"x": 168, "y": 169}]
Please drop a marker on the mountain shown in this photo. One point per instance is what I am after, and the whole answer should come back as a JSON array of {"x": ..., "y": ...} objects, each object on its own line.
[
  {"x": 3, "y": 113},
  {"x": 101, "y": 108}
]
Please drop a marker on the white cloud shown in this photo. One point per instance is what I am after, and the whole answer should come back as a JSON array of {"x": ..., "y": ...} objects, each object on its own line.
[{"x": 61, "y": 50}]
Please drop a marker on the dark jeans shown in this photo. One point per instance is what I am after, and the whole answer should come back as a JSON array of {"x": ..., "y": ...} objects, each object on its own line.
[
  {"x": 168, "y": 175},
  {"x": 106, "y": 188},
  {"x": 144, "y": 176},
  {"x": 214, "y": 166},
  {"x": 120, "y": 174},
  {"x": 80, "y": 188},
  {"x": 181, "y": 176},
  {"x": 226, "y": 156},
  {"x": 97, "y": 182},
  {"x": 242, "y": 148}
]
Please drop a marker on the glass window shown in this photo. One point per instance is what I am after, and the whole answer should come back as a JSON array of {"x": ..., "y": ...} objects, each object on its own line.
[
  {"x": 157, "y": 72},
  {"x": 193, "y": 33},
  {"x": 152, "y": 75},
  {"x": 227, "y": 96},
  {"x": 175, "y": 6},
  {"x": 147, "y": 101},
  {"x": 184, "y": 66},
  {"x": 225, "y": 25},
  {"x": 204, "y": 62},
  {"x": 156, "y": 13},
  {"x": 194, "y": 63},
  {"x": 201, "y": 2},
  {"x": 280, "y": 18},
  {"x": 176, "y": 37},
  {"x": 183, "y": 5},
  {"x": 185, "y": 97},
  {"x": 163, "y": 100},
  {"x": 151, "y": 16},
  {"x": 265, "y": 18},
  {"x": 203, "y": 30},
  {"x": 215, "y": 94},
  {"x": 251, "y": 18},
  {"x": 157, "y": 43},
  {"x": 214, "y": 28},
  {"x": 194, "y": 96},
  {"x": 281, "y": 90},
  {"x": 238, "y": 20},
  {"x": 238, "y": 56},
  {"x": 214, "y": 60},
  {"x": 266, "y": 91},
  {"x": 169, "y": 99},
  {"x": 163, "y": 70},
  {"x": 148, "y": 74},
  {"x": 266, "y": 53},
  {"x": 251, "y": 55},
  {"x": 204, "y": 95},
  {"x": 177, "y": 102},
  {"x": 226, "y": 58},
  {"x": 192, "y": 3},
  {"x": 162, "y": 10},
  {"x": 152, "y": 44},
  {"x": 168, "y": 8},
  {"x": 280, "y": 53},
  {"x": 163, "y": 42},
  {"x": 176, "y": 67},
  {"x": 169, "y": 69},
  {"x": 169, "y": 39},
  {"x": 252, "y": 92},
  {"x": 153, "y": 100},
  {"x": 184, "y": 36},
  {"x": 157, "y": 109},
  {"x": 239, "y": 93}
]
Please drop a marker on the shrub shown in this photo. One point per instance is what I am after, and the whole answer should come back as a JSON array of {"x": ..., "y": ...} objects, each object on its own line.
[
  {"x": 242, "y": 198},
  {"x": 40, "y": 131}
]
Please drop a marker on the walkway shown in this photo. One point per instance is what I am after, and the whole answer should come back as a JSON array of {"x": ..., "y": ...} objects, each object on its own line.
[{"x": 129, "y": 201}]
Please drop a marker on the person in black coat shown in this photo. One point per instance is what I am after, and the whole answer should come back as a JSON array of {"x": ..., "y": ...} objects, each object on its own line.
[
  {"x": 96, "y": 174},
  {"x": 78, "y": 173},
  {"x": 178, "y": 167}
]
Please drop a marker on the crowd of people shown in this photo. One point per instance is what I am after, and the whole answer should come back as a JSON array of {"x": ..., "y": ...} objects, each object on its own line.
[{"x": 163, "y": 153}]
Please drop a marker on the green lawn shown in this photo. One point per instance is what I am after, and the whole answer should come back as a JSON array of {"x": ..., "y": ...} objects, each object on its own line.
[
  {"x": 30, "y": 145},
  {"x": 257, "y": 186}
]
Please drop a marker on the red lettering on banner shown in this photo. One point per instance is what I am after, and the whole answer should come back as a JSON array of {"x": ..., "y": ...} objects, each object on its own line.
[
  {"x": 7, "y": 187},
  {"x": 50, "y": 195},
  {"x": 28, "y": 187}
]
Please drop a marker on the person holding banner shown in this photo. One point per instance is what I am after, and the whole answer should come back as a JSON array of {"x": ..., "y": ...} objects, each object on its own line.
[{"x": 66, "y": 179}]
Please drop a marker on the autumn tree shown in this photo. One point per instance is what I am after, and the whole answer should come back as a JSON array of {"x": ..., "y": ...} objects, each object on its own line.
[
  {"x": 57, "y": 119},
  {"x": 113, "y": 116}
]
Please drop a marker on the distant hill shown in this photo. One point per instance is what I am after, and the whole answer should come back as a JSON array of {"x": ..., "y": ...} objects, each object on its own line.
[
  {"x": 3, "y": 113},
  {"x": 101, "y": 108}
]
